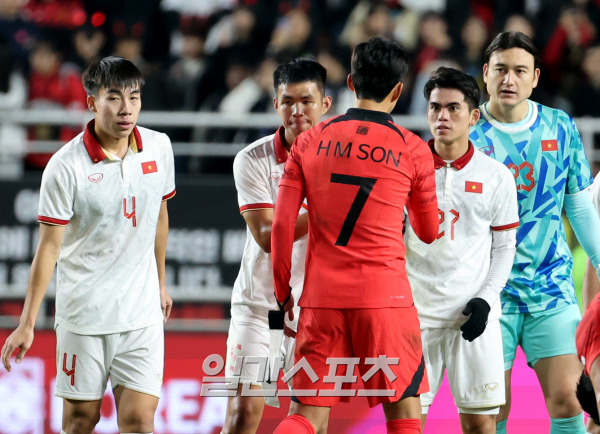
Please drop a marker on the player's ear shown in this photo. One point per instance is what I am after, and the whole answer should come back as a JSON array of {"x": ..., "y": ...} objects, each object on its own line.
[
  {"x": 91, "y": 102},
  {"x": 350, "y": 83},
  {"x": 485, "y": 72},
  {"x": 475, "y": 114},
  {"x": 397, "y": 91},
  {"x": 275, "y": 103},
  {"x": 536, "y": 76},
  {"x": 326, "y": 104}
]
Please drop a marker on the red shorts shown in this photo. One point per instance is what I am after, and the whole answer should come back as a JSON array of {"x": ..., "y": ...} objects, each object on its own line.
[
  {"x": 384, "y": 344},
  {"x": 587, "y": 337}
]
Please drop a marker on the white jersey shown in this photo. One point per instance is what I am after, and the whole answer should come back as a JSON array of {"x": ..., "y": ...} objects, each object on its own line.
[
  {"x": 257, "y": 170},
  {"x": 107, "y": 278},
  {"x": 476, "y": 195}
]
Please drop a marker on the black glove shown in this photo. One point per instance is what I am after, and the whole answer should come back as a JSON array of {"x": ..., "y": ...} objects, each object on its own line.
[{"x": 479, "y": 310}]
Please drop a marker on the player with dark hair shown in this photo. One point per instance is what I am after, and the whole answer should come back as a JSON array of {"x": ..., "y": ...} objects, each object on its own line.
[
  {"x": 472, "y": 257},
  {"x": 357, "y": 171},
  {"x": 300, "y": 101},
  {"x": 103, "y": 217},
  {"x": 543, "y": 149}
]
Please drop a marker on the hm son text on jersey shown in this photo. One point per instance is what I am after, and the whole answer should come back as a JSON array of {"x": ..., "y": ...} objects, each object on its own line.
[{"x": 378, "y": 154}]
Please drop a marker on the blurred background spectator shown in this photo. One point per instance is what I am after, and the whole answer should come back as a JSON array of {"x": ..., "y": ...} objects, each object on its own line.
[
  {"x": 52, "y": 84},
  {"x": 218, "y": 55}
]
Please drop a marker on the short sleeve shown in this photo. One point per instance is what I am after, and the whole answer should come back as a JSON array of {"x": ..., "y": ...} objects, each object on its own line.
[
  {"x": 580, "y": 173},
  {"x": 56, "y": 193},
  {"x": 506, "y": 207},
  {"x": 169, "y": 190},
  {"x": 251, "y": 183}
]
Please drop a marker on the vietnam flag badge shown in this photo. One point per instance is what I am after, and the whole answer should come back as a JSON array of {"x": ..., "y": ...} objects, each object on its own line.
[
  {"x": 549, "y": 145},
  {"x": 473, "y": 187},
  {"x": 149, "y": 167}
]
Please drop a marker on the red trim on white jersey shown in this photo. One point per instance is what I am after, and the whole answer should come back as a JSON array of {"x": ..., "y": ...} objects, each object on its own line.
[
  {"x": 458, "y": 164},
  {"x": 94, "y": 149},
  {"x": 278, "y": 143},
  {"x": 52, "y": 221},
  {"x": 169, "y": 196},
  {"x": 505, "y": 227},
  {"x": 252, "y": 206}
]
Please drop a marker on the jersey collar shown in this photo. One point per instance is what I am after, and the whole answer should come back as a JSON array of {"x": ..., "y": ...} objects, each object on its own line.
[
  {"x": 96, "y": 152},
  {"x": 458, "y": 164},
  {"x": 278, "y": 141},
  {"x": 370, "y": 114}
]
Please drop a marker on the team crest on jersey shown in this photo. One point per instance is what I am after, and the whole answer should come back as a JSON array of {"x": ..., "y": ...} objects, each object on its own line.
[
  {"x": 276, "y": 176},
  {"x": 95, "y": 177},
  {"x": 488, "y": 150}
]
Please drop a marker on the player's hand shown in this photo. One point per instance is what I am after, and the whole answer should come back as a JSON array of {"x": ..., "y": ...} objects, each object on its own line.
[
  {"x": 289, "y": 332},
  {"x": 288, "y": 305},
  {"x": 166, "y": 303},
  {"x": 21, "y": 339},
  {"x": 479, "y": 310}
]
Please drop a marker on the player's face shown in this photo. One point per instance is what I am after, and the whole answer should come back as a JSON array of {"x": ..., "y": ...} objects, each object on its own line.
[
  {"x": 116, "y": 111},
  {"x": 510, "y": 76},
  {"x": 449, "y": 116},
  {"x": 300, "y": 106}
]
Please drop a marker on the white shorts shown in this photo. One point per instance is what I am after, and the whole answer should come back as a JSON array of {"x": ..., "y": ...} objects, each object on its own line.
[
  {"x": 251, "y": 339},
  {"x": 134, "y": 360},
  {"x": 475, "y": 369}
]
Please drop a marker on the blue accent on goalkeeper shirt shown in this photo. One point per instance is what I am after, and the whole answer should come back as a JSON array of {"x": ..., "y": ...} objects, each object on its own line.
[{"x": 546, "y": 155}]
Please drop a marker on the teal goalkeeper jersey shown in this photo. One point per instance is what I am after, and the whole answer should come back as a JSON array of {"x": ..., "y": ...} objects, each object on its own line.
[{"x": 545, "y": 153}]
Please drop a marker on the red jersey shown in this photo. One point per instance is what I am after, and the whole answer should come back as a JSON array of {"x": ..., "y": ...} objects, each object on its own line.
[
  {"x": 358, "y": 171},
  {"x": 588, "y": 335}
]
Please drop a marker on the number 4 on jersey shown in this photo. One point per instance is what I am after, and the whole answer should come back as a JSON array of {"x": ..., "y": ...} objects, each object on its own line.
[{"x": 365, "y": 185}]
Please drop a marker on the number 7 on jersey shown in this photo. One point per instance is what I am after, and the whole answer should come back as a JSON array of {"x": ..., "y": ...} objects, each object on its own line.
[{"x": 365, "y": 185}]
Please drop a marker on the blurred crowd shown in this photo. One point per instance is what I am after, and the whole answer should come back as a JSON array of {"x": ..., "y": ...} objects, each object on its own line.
[{"x": 219, "y": 55}]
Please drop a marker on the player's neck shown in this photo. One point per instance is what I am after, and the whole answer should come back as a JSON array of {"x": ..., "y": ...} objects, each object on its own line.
[
  {"x": 288, "y": 140},
  {"x": 116, "y": 146},
  {"x": 369, "y": 104},
  {"x": 508, "y": 114},
  {"x": 451, "y": 151}
]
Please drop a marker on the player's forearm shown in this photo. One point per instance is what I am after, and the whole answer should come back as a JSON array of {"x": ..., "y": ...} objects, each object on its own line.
[
  {"x": 41, "y": 271},
  {"x": 282, "y": 239},
  {"x": 301, "y": 227},
  {"x": 502, "y": 258},
  {"x": 585, "y": 222},
  {"x": 425, "y": 224},
  {"x": 160, "y": 243}
]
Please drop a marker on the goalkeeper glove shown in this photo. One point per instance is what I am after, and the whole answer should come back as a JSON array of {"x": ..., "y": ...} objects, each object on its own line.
[{"x": 478, "y": 309}]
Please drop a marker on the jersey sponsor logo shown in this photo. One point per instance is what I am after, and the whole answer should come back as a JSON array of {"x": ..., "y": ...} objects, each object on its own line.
[
  {"x": 491, "y": 386},
  {"x": 549, "y": 145},
  {"x": 70, "y": 372},
  {"x": 130, "y": 215},
  {"x": 362, "y": 130},
  {"x": 473, "y": 187},
  {"x": 487, "y": 150},
  {"x": 95, "y": 177},
  {"x": 275, "y": 176},
  {"x": 149, "y": 167},
  {"x": 377, "y": 154}
]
